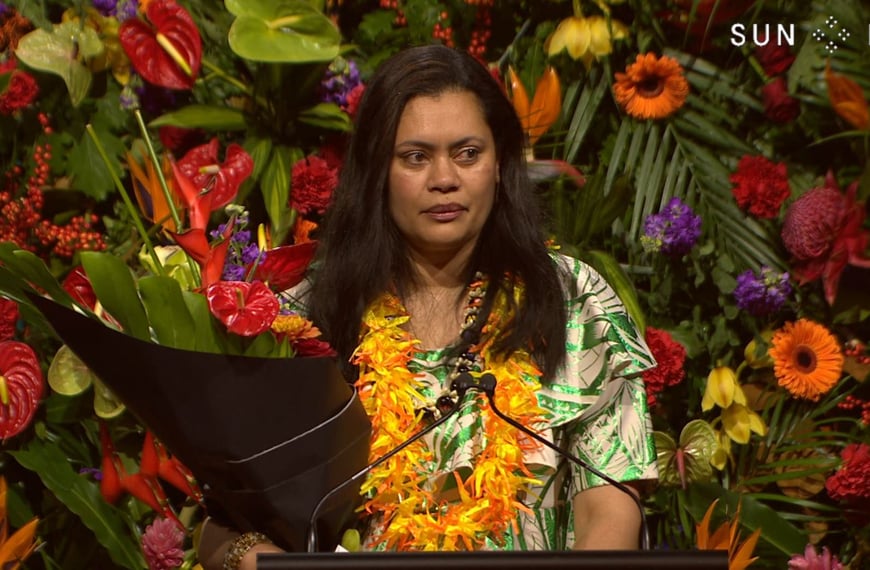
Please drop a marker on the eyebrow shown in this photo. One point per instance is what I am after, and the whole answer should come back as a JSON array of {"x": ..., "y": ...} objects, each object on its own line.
[{"x": 429, "y": 146}]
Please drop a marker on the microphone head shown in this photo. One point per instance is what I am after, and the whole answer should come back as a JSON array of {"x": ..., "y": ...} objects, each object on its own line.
[
  {"x": 462, "y": 383},
  {"x": 487, "y": 383}
]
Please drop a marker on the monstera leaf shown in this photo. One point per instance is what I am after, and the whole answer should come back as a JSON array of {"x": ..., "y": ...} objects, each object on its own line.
[
  {"x": 288, "y": 31},
  {"x": 61, "y": 52}
]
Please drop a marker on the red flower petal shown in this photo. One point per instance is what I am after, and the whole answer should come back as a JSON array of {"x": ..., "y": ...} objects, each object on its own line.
[
  {"x": 283, "y": 267},
  {"x": 21, "y": 387},
  {"x": 211, "y": 259},
  {"x": 246, "y": 308},
  {"x": 220, "y": 180},
  {"x": 79, "y": 287},
  {"x": 151, "y": 60}
]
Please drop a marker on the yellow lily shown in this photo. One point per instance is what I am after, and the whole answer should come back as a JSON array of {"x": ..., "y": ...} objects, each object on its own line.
[
  {"x": 757, "y": 356},
  {"x": 722, "y": 453},
  {"x": 722, "y": 389},
  {"x": 16, "y": 548},
  {"x": 544, "y": 109},
  {"x": 727, "y": 537},
  {"x": 739, "y": 421},
  {"x": 586, "y": 39}
]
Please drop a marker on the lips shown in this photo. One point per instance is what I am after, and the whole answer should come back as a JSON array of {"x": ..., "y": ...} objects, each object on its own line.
[{"x": 444, "y": 209}]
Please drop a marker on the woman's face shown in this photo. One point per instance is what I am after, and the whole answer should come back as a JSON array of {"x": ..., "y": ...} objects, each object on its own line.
[{"x": 443, "y": 173}]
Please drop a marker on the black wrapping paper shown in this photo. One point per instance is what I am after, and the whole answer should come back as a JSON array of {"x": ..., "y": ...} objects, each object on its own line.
[{"x": 266, "y": 438}]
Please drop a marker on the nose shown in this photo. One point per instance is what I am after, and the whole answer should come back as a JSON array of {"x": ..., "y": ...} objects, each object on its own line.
[{"x": 443, "y": 175}]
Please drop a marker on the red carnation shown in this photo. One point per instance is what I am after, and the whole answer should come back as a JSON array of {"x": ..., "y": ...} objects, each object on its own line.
[
  {"x": 20, "y": 93},
  {"x": 779, "y": 106},
  {"x": 8, "y": 318},
  {"x": 670, "y": 356},
  {"x": 761, "y": 186},
  {"x": 312, "y": 186},
  {"x": 851, "y": 483}
]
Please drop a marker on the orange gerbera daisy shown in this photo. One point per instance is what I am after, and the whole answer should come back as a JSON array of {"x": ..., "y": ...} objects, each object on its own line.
[
  {"x": 807, "y": 359},
  {"x": 651, "y": 87}
]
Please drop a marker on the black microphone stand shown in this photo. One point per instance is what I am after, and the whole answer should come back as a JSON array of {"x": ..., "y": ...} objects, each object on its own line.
[
  {"x": 487, "y": 385},
  {"x": 460, "y": 385}
]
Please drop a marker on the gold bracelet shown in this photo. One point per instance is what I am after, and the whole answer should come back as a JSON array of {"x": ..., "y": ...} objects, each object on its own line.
[{"x": 240, "y": 546}]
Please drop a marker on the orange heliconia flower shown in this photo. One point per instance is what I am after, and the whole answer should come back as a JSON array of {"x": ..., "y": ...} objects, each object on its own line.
[
  {"x": 847, "y": 99},
  {"x": 727, "y": 537},
  {"x": 539, "y": 115},
  {"x": 807, "y": 359},
  {"x": 651, "y": 87},
  {"x": 15, "y": 548}
]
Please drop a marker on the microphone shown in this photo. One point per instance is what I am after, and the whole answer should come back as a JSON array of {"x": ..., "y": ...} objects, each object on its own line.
[
  {"x": 487, "y": 384},
  {"x": 446, "y": 406}
]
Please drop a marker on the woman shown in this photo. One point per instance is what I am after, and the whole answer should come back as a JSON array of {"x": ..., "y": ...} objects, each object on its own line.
[{"x": 432, "y": 263}]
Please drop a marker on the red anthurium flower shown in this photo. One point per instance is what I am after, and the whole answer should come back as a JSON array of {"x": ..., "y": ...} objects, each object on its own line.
[
  {"x": 219, "y": 179},
  {"x": 283, "y": 267},
  {"x": 21, "y": 387},
  {"x": 168, "y": 50},
  {"x": 211, "y": 258},
  {"x": 79, "y": 287},
  {"x": 246, "y": 308}
]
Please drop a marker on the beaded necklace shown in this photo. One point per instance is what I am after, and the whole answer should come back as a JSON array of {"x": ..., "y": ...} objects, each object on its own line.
[{"x": 411, "y": 516}]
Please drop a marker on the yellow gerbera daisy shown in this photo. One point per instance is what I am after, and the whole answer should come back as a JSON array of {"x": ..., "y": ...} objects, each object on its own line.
[
  {"x": 651, "y": 87},
  {"x": 807, "y": 359}
]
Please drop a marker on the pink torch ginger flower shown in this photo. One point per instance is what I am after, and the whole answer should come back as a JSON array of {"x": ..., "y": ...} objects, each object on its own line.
[
  {"x": 823, "y": 232},
  {"x": 812, "y": 560},
  {"x": 162, "y": 543}
]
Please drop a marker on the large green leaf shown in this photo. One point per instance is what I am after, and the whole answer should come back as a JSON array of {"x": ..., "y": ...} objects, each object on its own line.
[
  {"x": 207, "y": 339},
  {"x": 25, "y": 265},
  {"x": 326, "y": 116},
  {"x": 283, "y": 31},
  {"x": 582, "y": 111},
  {"x": 208, "y": 117},
  {"x": 115, "y": 287},
  {"x": 613, "y": 273},
  {"x": 275, "y": 186},
  {"x": 167, "y": 312},
  {"x": 61, "y": 52},
  {"x": 775, "y": 529},
  {"x": 82, "y": 497}
]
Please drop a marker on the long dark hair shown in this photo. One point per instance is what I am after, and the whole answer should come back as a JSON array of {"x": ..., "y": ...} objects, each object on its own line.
[{"x": 362, "y": 253}]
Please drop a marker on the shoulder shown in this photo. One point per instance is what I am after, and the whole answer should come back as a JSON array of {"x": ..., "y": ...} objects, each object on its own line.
[{"x": 599, "y": 326}]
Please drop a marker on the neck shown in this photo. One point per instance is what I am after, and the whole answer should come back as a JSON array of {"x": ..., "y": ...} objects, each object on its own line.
[{"x": 440, "y": 270}]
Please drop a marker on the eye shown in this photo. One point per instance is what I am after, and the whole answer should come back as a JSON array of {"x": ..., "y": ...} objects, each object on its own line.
[
  {"x": 414, "y": 157},
  {"x": 468, "y": 154}
]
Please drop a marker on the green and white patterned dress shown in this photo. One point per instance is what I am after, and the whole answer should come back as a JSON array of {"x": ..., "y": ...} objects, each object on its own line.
[{"x": 597, "y": 411}]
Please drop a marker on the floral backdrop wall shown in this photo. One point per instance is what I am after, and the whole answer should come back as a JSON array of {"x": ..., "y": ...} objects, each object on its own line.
[{"x": 711, "y": 159}]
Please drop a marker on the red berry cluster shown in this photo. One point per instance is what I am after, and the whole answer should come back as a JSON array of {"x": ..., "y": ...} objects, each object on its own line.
[
  {"x": 443, "y": 30},
  {"x": 21, "y": 219},
  {"x": 394, "y": 5},
  {"x": 853, "y": 403},
  {"x": 481, "y": 32},
  {"x": 857, "y": 350}
]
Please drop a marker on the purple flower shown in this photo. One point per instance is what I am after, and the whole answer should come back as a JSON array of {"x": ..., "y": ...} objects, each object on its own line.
[
  {"x": 341, "y": 77},
  {"x": 673, "y": 231},
  {"x": 106, "y": 7},
  {"x": 4, "y": 9},
  {"x": 250, "y": 253},
  {"x": 812, "y": 560},
  {"x": 126, "y": 9},
  {"x": 233, "y": 272},
  {"x": 762, "y": 293},
  {"x": 161, "y": 543}
]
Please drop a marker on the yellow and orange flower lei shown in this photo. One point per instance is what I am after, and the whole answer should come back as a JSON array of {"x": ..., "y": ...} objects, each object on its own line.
[{"x": 412, "y": 517}]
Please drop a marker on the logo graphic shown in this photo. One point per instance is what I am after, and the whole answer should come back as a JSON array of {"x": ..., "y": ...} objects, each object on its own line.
[{"x": 829, "y": 35}]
